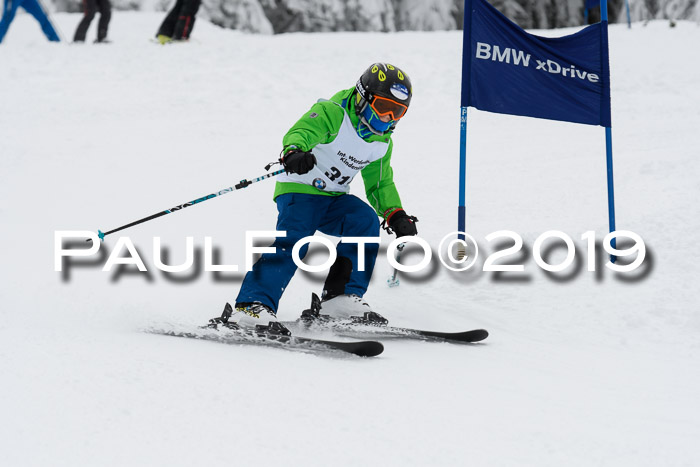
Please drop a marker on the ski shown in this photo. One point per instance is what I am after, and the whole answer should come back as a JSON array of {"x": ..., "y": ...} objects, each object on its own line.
[
  {"x": 372, "y": 325},
  {"x": 359, "y": 330},
  {"x": 262, "y": 338},
  {"x": 276, "y": 335}
]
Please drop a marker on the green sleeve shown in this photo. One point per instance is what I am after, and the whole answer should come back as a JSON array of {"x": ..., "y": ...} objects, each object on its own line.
[
  {"x": 379, "y": 185},
  {"x": 319, "y": 125}
]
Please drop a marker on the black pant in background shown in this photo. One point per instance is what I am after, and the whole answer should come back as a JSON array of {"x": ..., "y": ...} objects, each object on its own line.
[
  {"x": 180, "y": 20},
  {"x": 89, "y": 8}
]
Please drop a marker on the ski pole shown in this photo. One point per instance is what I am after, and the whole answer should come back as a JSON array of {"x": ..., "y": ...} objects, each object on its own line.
[
  {"x": 393, "y": 281},
  {"x": 241, "y": 184}
]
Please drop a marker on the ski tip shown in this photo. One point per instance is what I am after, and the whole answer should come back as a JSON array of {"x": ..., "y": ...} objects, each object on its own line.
[
  {"x": 369, "y": 349},
  {"x": 479, "y": 335}
]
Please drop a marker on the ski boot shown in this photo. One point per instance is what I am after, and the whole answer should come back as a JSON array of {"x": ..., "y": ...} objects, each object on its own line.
[
  {"x": 163, "y": 39},
  {"x": 250, "y": 316},
  {"x": 342, "y": 307}
]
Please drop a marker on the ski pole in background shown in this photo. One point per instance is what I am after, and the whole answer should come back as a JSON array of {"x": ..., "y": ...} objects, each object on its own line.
[
  {"x": 393, "y": 280},
  {"x": 242, "y": 184}
]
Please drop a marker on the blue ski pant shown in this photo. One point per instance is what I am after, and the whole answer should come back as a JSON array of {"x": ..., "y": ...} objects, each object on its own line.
[
  {"x": 301, "y": 215},
  {"x": 33, "y": 8}
]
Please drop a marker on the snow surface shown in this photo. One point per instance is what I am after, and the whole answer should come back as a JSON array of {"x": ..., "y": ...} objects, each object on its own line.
[{"x": 593, "y": 370}]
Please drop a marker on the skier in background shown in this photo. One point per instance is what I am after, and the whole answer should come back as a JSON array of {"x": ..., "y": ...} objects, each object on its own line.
[
  {"x": 178, "y": 24},
  {"x": 334, "y": 141},
  {"x": 89, "y": 8},
  {"x": 34, "y": 8}
]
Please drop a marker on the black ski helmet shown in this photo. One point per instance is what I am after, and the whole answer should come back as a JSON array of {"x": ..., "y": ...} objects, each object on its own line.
[{"x": 385, "y": 80}]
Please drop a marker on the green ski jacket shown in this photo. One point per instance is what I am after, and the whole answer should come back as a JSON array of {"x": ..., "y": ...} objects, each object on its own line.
[{"x": 320, "y": 125}]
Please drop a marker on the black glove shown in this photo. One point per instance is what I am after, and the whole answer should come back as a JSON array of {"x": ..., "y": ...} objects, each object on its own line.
[
  {"x": 298, "y": 162},
  {"x": 402, "y": 224}
]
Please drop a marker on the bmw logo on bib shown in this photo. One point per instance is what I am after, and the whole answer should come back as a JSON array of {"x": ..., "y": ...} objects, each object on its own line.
[{"x": 319, "y": 183}]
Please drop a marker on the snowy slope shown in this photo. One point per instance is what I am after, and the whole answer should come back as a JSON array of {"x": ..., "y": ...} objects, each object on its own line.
[{"x": 594, "y": 370}]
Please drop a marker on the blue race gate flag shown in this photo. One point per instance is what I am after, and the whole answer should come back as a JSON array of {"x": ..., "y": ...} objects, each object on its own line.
[{"x": 507, "y": 70}]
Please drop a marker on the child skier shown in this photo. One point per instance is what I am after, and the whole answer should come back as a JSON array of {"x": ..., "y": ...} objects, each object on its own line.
[{"x": 334, "y": 141}]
